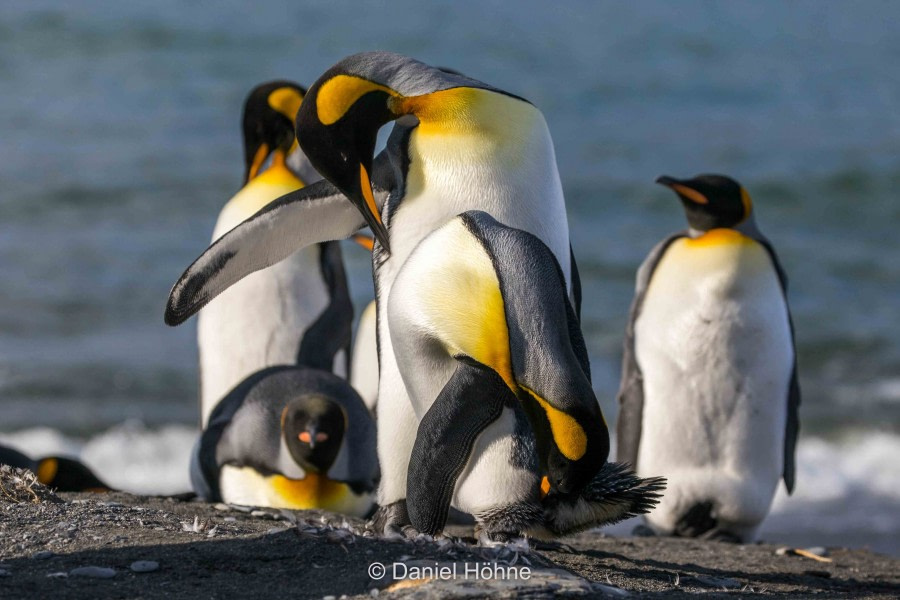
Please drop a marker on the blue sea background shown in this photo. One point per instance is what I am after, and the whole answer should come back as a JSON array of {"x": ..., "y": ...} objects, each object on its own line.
[{"x": 120, "y": 142}]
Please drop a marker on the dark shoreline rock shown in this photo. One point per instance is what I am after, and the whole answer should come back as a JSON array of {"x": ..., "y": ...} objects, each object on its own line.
[{"x": 203, "y": 551}]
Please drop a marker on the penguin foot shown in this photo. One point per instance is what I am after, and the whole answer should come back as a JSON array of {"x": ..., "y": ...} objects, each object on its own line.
[
  {"x": 613, "y": 495},
  {"x": 392, "y": 522},
  {"x": 720, "y": 535}
]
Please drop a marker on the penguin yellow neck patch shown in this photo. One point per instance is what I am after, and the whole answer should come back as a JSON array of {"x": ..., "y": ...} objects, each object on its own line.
[
  {"x": 718, "y": 237},
  {"x": 568, "y": 435},
  {"x": 286, "y": 101},
  {"x": 313, "y": 491}
]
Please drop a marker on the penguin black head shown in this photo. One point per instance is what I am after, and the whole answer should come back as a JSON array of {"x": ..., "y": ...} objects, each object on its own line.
[
  {"x": 711, "y": 201},
  {"x": 68, "y": 475},
  {"x": 268, "y": 122},
  {"x": 313, "y": 427}
]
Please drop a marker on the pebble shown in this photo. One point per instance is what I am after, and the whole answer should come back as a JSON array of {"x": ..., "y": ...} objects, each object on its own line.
[
  {"x": 112, "y": 504},
  {"x": 261, "y": 513},
  {"x": 93, "y": 572},
  {"x": 275, "y": 530},
  {"x": 144, "y": 566},
  {"x": 222, "y": 507},
  {"x": 57, "y": 575},
  {"x": 717, "y": 582},
  {"x": 817, "y": 550},
  {"x": 610, "y": 590},
  {"x": 329, "y": 598},
  {"x": 42, "y": 555},
  {"x": 230, "y": 519}
]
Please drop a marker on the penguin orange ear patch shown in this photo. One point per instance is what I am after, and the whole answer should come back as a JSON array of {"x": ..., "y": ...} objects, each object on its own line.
[
  {"x": 47, "y": 469},
  {"x": 286, "y": 101}
]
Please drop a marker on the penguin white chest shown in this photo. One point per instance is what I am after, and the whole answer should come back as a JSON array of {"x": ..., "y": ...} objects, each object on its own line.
[{"x": 714, "y": 345}]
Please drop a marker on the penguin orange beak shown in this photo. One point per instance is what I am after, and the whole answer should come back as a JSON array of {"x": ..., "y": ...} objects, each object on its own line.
[
  {"x": 682, "y": 190},
  {"x": 259, "y": 157},
  {"x": 312, "y": 437}
]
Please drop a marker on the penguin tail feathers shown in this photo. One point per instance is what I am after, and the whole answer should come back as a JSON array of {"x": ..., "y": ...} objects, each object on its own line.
[{"x": 616, "y": 493}]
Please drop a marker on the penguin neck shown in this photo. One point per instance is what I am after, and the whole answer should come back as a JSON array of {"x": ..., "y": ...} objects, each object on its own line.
[{"x": 492, "y": 154}]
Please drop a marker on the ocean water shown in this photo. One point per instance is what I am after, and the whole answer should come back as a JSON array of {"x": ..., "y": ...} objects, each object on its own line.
[{"x": 119, "y": 142}]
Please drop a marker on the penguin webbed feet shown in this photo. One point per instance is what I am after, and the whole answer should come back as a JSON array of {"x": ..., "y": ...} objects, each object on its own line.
[
  {"x": 616, "y": 493},
  {"x": 391, "y": 521}
]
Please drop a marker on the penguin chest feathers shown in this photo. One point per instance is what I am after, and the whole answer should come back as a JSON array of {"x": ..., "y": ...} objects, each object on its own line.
[{"x": 714, "y": 345}]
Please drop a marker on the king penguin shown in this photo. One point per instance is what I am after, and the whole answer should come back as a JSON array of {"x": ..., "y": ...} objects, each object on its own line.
[
  {"x": 289, "y": 437},
  {"x": 298, "y": 312},
  {"x": 457, "y": 144},
  {"x": 709, "y": 394},
  {"x": 512, "y": 433},
  {"x": 58, "y": 472}
]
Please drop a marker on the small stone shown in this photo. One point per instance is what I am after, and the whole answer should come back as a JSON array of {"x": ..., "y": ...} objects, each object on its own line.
[
  {"x": 222, "y": 507},
  {"x": 230, "y": 519},
  {"x": 42, "y": 555},
  {"x": 817, "y": 550},
  {"x": 261, "y": 514},
  {"x": 93, "y": 572},
  {"x": 57, "y": 575},
  {"x": 374, "y": 593},
  {"x": 717, "y": 582},
  {"x": 329, "y": 598},
  {"x": 782, "y": 551},
  {"x": 144, "y": 566},
  {"x": 112, "y": 504},
  {"x": 276, "y": 530},
  {"x": 610, "y": 590}
]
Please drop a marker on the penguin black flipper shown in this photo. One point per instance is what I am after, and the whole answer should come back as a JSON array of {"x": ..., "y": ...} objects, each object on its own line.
[
  {"x": 792, "y": 427},
  {"x": 331, "y": 332},
  {"x": 316, "y": 213},
  {"x": 553, "y": 375},
  {"x": 472, "y": 399},
  {"x": 576, "y": 283},
  {"x": 631, "y": 386}
]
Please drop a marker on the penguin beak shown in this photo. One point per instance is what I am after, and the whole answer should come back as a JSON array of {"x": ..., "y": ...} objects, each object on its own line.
[
  {"x": 254, "y": 161},
  {"x": 364, "y": 241},
  {"x": 337, "y": 127},
  {"x": 682, "y": 189},
  {"x": 313, "y": 436}
]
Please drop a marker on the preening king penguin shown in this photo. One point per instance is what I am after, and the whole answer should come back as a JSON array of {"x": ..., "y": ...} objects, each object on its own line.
[
  {"x": 491, "y": 347},
  {"x": 289, "y": 437},
  {"x": 709, "y": 394},
  {"x": 58, "y": 472},
  {"x": 298, "y": 312},
  {"x": 457, "y": 145}
]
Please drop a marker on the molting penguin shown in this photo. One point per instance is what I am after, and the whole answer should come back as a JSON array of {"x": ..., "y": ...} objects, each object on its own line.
[
  {"x": 457, "y": 145},
  {"x": 289, "y": 437},
  {"x": 57, "y": 472},
  {"x": 298, "y": 312},
  {"x": 709, "y": 394},
  {"x": 512, "y": 432}
]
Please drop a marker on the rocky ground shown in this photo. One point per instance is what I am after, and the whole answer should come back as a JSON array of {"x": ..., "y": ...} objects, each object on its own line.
[{"x": 123, "y": 546}]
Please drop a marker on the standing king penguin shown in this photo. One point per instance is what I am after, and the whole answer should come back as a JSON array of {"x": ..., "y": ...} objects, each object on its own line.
[
  {"x": 709, "y": 395},
  {"x": 298, "y": 312},
  {"x": 457, "y": 145},
  {"x": 289, "y": 437}
]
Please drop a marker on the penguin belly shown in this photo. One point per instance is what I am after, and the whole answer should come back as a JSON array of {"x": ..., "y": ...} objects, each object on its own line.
[
  {"x": 260, "y": 321},
  {"x": 714, "y": 345},
  {"x": 247, "y": 487}
]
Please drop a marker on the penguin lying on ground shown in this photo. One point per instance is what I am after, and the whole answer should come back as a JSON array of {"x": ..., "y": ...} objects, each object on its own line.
[
  {"x": 57, "y": 472},
  {"x": 709, "y": 394},
  {"x": 298, "y": 312},
  {"x": 289, "y": 437},
  {"x": 495, "y": 354},
  {"x": 457, "y": 145}
]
